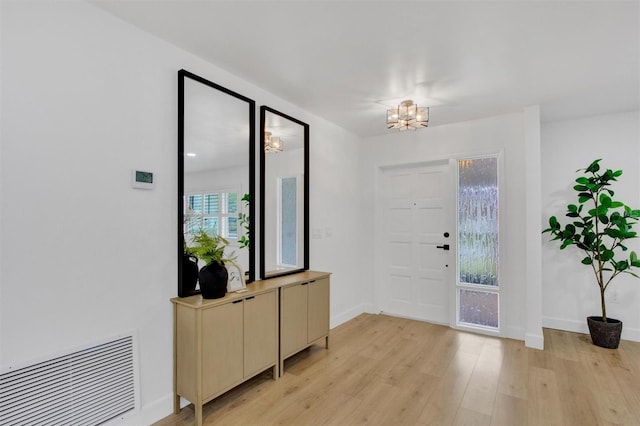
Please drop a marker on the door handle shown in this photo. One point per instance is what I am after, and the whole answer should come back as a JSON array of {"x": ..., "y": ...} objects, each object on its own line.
[{"x": 444, "y": 247}]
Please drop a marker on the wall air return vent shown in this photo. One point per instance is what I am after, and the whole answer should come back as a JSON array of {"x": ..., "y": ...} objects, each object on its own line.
[{"x": 86, "y": 387}]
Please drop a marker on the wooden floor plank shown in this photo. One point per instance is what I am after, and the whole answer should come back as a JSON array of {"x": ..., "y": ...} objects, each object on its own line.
[
  {"x": 514, "y": 372},
  {"x": 467, "y": 417},
  {"x": 576, "y": 398},
  {"x": 509, "y": 410},
  {"x": 388, "y": 371},
  {"x": 483, "y": 384},
  {"x": 443, "y": 405},
  {"x": 544, "y": 398}
]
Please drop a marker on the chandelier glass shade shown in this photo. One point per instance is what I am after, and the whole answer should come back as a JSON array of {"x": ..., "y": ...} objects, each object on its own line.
[
  {"x": 272, "y": 143},
  {"x": 407, "y": 116}
]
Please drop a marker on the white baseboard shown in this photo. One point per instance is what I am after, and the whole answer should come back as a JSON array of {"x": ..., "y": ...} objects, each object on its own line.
[
  {"x": 534, "y": 340},
  {"x": 516, "y": 333},
  {"x": 153, "y": 412},
  {"x": 370, "y": 308},
  {"x": 349, "y": 314},
  {"x": 632, "y": 334},
  {"x": 565, "y": 324},
  {"x": 628, "y": 333},
  {"x": 343, "y": 317}
]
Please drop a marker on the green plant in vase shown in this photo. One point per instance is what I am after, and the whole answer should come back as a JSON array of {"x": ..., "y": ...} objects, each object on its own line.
[
  {"x": 599, "y": 226},
  {"x": 213, "y": 276}
]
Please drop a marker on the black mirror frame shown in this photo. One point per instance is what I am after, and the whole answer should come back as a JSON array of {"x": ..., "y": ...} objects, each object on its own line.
[
  {"x": 182, "y": 74},
  {"x": 263, "y": 110}
]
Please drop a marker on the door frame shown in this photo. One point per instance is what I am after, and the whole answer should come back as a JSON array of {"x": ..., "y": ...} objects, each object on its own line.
[{"x": 452, "y": 275}]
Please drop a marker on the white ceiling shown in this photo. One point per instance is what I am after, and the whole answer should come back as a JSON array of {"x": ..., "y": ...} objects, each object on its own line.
[{"x": 348, "y": 61}]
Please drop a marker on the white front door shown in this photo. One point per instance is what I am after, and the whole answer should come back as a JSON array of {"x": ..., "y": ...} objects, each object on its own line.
[{"x": 416, "y": 217}]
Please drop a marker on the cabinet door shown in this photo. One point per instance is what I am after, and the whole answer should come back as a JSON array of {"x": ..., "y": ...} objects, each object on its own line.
[
  {"x": 293, "y": 319},
  {"x": 318, "y": 309},
  {"x": 222, "y": 332},
  {"x": 260, "y": 332}
]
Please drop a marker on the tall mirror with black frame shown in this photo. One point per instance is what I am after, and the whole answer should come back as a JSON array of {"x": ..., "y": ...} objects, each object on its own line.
[
  {"x": 284, "y": 204},
  {"x": 216, "y": 163}
]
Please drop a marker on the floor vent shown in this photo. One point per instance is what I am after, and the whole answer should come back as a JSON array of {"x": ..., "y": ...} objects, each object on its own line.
[{"x": 87, "y": 387}]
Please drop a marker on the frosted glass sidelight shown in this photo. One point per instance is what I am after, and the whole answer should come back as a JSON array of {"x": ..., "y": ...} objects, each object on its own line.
[
  {"x": 479, "y": 308},
  {"x": 478, "y": 221}
]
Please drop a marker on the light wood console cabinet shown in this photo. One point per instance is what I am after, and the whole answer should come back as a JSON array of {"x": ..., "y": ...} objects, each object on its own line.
[
  {"x": 220, "y": 343},
  {"x": 304, "y": 316}
]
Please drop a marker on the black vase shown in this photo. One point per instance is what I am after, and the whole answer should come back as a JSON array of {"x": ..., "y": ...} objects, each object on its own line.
[
  {"x": 189, "y": 274},
  {"x": 213, "y": 280},
  {"x": 605, "y": 334}
]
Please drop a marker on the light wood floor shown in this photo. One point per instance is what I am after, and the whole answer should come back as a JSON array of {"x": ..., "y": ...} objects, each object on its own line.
[{"x": 382, "y": 370}]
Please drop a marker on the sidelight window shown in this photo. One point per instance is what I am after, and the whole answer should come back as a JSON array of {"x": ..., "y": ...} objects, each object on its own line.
[{"x": 478, "y": 285}]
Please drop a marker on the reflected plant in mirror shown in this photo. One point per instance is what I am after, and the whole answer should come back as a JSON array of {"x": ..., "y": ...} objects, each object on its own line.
[
  {"x": 216, "y": 161},
  {"x": 284, "y": 188},
  {"x": 245, "y": 221}
]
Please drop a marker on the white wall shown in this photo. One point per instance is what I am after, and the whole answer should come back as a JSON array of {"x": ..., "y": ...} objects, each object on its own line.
[
  {"x": 570, "y": 292},
  {"x": 489, "y": 136},
  {"x": 85, "y": 99},
  {"x": 532, "y": 244},
  {"x": 337, "y": 219},
  {"x": 1, "y": 172}
]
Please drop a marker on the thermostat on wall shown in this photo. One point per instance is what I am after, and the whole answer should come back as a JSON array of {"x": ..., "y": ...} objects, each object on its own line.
[{"x": 141, "y": 180}]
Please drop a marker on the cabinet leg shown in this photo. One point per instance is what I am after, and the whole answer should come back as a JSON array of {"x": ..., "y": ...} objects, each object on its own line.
[
  {"x": 281, "y": 368},
  {"x": 326, "y": 342},
  {"x": 276, "y": 372},
  {"x": 197, "y": 408},
  {"x": 176, "y": 403}
]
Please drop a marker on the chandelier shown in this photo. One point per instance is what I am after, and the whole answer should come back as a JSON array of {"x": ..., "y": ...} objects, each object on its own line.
[
  {"x": 407, "y": 116},
  {"x": 272, "y": 143}
]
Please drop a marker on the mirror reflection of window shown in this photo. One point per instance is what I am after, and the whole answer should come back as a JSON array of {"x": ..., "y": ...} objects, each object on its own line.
[
  {"x": 288, "y": 252},
  {"x": 214, "y": 211}
]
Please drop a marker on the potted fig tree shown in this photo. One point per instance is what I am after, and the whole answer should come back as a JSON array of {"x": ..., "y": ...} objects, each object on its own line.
[{"x": 599, "y": 226}]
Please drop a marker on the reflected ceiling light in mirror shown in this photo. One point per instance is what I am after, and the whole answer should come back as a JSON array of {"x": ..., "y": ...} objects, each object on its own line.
[
  {"x": 191, "y": 154},
  {"x": 407, "y": 116},
  {"x": 272, "y": 143}
]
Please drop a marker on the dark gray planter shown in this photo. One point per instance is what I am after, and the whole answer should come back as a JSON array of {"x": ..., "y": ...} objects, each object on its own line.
[
  {"x": 605, "y": 334},
  {"x": 213, "y": 280}
]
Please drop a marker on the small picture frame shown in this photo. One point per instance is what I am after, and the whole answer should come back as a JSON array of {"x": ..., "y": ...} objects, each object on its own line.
[{"x": 235, "y": 280}]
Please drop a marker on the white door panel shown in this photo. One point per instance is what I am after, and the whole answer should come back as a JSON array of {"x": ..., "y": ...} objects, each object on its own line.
[
  {"x": 399, "y": 255},
  {"x": 401, "y": 288},
  {"x": 415, "y": 216}
]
